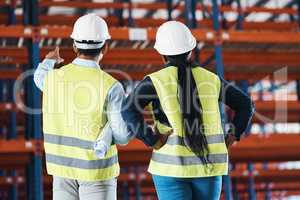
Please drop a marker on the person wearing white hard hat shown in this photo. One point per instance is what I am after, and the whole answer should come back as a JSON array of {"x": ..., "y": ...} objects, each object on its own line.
[
  {"x": 184, "y": 98},
  {"x": 75, "y": 97},
  {"x": 81, "y": 107}
]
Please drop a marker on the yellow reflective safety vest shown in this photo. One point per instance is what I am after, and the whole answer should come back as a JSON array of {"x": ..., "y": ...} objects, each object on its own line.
[
  {"x": 175, "y": 159},
  {"x": 73, "y": 117}
]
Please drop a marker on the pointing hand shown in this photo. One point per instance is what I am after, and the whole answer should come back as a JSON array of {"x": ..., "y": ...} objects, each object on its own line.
[{"x": 55, "y": 56}]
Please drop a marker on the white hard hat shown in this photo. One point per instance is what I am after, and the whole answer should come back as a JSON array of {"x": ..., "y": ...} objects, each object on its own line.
[
  {"x": 90, "y": 32},
  {"x": 174, "y": 38}
]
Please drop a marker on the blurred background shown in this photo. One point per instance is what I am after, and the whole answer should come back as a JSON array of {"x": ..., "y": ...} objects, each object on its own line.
[{"x": 253, "y": 43}]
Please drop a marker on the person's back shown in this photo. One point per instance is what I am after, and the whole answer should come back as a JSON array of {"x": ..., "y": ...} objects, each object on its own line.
[
  {"x": 73, "y": 116},
  {"x": 175, "y": 159}
]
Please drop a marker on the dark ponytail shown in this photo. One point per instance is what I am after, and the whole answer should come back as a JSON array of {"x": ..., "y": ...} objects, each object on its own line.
[{"x": 190, "y": 107}]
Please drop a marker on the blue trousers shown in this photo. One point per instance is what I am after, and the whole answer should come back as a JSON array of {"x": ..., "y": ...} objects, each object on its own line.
[{"x": 170, "y": 188}]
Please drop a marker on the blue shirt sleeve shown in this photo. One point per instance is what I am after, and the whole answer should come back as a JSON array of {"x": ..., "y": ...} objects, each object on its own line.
[
  {"x": 115, "y": 131},
  {"x": 41, "y": 72},
  {"x": 121, "y": 134}
]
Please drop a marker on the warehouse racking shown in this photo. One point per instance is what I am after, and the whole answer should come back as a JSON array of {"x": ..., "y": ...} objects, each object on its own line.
[{"x": 242, "y": 51}]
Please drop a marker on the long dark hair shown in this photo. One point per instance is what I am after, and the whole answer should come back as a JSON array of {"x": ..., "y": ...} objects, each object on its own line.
[{"x": 190, "y": 106}]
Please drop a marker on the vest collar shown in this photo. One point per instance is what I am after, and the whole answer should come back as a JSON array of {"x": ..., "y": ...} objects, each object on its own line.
[
  {"x": 193, "y": 64},
  {"x": 86, "y": 63}
]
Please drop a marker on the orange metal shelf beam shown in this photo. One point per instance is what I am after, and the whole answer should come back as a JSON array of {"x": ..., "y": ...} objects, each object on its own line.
[
  {"x": 87, "y": 5},
  {"x": 126, "y": 56},
  {"x": 68, "y": 20},
  {"x": 277, "y": 111},
  {"x": 107, "y": 5},
  {"x": 270, "y": 175},
  {"x": 263, "y": 37},
  {"x": 293, "y": 186},
  {"x": 150, "y": 22},
  {"x": 13, "y": 55},
  {"x": 200, "y": 34},
  {"x": 155, "y": 6},
  {"x": 11, "y": 180},
  {"x": 18, "y": 146},
  {"x": 275, "y": 147},
  {"x": 11, "y": 74},
  {"x": 278, "y": 26},
  {"x": 123, "y": 34},
  {"x": 255, "y": 9},
  {"x": 270, "y": 105},
  {"x": 116, "y": 33},
  {"x": 291, "y": 11},
  {"x": 3, "y": 3},
  {"x": 7, "y": 107},
  {"x": 230, "y": 57},
  {"x": 16, "y": 31},
  {"x": 61, "y": 19}
]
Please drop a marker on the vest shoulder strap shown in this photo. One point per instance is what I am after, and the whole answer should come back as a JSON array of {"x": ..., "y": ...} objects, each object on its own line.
[
  {"x": 107, "y": 77},
  {"x": 201, "y": 75},
  {"x": 206, "y": 74}
]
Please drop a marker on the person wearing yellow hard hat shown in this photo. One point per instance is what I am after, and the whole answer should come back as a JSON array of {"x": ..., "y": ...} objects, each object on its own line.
[
  {"x": 80, "y": 101},
  {"x": 184, "y": 98}
]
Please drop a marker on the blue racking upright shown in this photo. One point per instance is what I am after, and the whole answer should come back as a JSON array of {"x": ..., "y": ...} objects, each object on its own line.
[
  {"x": 220, "y": 71},
  {"x": 33, "y": 100},
  {"x": 8, "y": 96},
  {"x": 211, "y": 29},
  {"x": 13, "y": 116}
]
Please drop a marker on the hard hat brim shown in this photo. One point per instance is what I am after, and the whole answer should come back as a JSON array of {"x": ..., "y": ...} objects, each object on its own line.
[
  {"x": 80, "y": 45},
  {"x": 173, "y": 52}
]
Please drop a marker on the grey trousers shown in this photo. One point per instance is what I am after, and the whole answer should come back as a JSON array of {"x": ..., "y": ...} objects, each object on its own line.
[{"x": 69, "y": 189}]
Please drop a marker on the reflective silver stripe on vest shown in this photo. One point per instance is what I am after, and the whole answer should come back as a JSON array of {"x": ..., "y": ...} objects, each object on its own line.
[
  {"x": 68, "y": 141},
  {"x": 79, "y": 163},
  {"x": 187, "y": 160},
  {"x": 211, "y": 139}
]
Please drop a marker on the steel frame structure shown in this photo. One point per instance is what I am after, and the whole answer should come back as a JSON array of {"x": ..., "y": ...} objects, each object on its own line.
[{"x": 239, "y": 65}]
